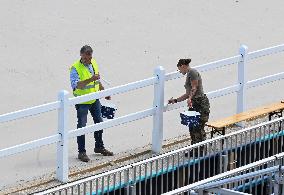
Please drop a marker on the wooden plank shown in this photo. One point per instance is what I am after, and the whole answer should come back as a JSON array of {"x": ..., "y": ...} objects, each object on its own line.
[{"x": 248, "y": 115}]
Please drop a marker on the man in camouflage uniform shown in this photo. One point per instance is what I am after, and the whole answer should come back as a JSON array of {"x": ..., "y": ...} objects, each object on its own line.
[{"x": 196, "y": 99}]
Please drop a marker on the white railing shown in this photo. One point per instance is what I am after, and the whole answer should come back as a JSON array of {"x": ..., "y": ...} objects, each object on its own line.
[
  {"x": 237, "y": 177},
  {"x": 209, "y": 158},
  {"x": 63, "y": 104}
]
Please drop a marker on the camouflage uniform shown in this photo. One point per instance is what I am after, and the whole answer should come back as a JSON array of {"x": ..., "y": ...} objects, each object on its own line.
[{"x": 200, "y": 103}]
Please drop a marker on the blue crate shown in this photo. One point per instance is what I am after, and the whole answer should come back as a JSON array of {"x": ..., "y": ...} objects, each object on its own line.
[
  {"x": 190, "y": 118},
  {"x": 108, "y": 110}
]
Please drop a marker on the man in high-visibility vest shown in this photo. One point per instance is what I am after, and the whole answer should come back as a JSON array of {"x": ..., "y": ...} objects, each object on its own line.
[{"x": 84, "y": 77}]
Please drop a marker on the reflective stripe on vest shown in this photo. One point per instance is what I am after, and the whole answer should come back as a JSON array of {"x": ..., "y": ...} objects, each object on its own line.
[{"x": 84, "y": 74}]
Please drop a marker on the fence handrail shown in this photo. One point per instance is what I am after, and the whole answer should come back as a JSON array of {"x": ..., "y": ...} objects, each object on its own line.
[
  {"x": 206, "y": 67},
  {"x": 112, "y": 123},
  {"x": 155, "y": 111},
  {"x": 172, "y": 153},
  {"x": 30, "y": 145},
  {"x": 226, "y": 174},
  {"x": 242, "y": 177},
  {"x": 146, "y": 82},
  {"x": 265, "y": 52},
  {"x": 29, "y": 111},
  {"x": 114, "y": 90}
]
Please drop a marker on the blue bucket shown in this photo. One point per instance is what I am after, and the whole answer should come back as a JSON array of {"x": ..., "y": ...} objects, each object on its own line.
[
  {"x": 108, "y": 110},
  {"x": 190, "y": 118}
]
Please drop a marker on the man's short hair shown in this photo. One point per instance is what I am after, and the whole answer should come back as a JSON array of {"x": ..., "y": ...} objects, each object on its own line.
[{"x": 86, "y": 49}]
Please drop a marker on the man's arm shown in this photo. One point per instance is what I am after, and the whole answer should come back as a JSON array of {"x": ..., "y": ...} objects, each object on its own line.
[
  {"x": 102, "y": 88},
  {"x": 82, "y": 84}
]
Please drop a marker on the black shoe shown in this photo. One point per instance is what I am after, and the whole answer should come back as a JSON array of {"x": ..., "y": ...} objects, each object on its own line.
[
  {"x": 103, "y": 151},
  {"x": 83, "y": 157}
]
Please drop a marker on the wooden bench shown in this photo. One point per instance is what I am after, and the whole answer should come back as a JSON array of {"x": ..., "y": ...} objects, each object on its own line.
[{"x": 271, "y": 110}]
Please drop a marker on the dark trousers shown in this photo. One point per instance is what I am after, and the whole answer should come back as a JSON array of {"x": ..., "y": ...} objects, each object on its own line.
[{"x": 82, "y": 112}]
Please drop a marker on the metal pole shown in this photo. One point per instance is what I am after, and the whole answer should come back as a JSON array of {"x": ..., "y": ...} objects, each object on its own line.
[
  {"x": 157, "y": 133},
  {"x": 62, "y": 146},
  {"x": 242, "y": 80}
]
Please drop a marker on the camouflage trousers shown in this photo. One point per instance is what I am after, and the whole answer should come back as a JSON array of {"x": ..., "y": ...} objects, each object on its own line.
[{"x": 200, "y": 104}]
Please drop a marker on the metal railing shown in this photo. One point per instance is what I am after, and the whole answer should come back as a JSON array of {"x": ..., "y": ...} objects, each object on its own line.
[
  {"x": 156, "y": 110},
  {"x": 187, "y": 165},
  {"x": 261, "y": 177}
]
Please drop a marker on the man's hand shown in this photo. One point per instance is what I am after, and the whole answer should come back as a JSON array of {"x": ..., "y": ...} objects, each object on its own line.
[
  {"x": 108, "y": 97},
  {"x": 172, "y": 101},
  {"x": 95, "y": 77},
  {"x": 189, "y": 103}
]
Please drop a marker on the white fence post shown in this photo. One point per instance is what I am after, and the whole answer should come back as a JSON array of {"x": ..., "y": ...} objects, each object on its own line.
[
  {"x": 157, "y": 133},
  {"x": 242, "y": 80},
  {"x": 62, "y": 146}
]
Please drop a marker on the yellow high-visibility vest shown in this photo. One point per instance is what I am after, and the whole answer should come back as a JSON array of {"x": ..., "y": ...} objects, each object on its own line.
[{"x": 84, "y": 74}]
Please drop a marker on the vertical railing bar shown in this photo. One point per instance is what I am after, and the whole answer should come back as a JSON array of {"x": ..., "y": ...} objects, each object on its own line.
[
  {"x": 273, "y": 139},
  {"x": 241, "y": 150},
  {"x": 270, "y": 187},
  {"x": 220, "y": 147},
  {"x": 254, "y": 143},
  {"x": 173, "y": 172},
  {"x": 277, "y": 133},
  {"x": 204, "y": 155},
  {"x": 264, "y": 144},
  {"x": 245, "y": 157},
  {"x": 156, "y": 180},
  {"x": 162, "y": 177},
  {"x": 145, "y": 184},
  {"x": 79, "y": 189},
  {"x": 97, "y": 186},
  {"x": 114, "y": 183},
  {"x": 167, "y": 186},
  {"x": 140, "y": 178},
  {"x": 188, "y": 165},
  {"x": 84, "y": 188},
  {"x": 91, "y": 187},
  {"x": 103, "y": 184},
  {"x": 198, "y": 165},
  {"x": 120, "y": 182},
  {"x": 183, "y": 168},
  {"x": 236, "y": 152},
  {"x": 157, "y": 132},
  {"x": 134, "y": 179},
  {"x": 282, "y": 137},
  {"x": 194, "y": 164},
  {"x": 128, "y": 181},
  {"x": 151, "y": 176},
  {"x": 62, "y": 145},
  {"x": 214, "y": 161},
  {"x": 242, "y": 79},
  {"x": 268, "y": 141},
  {"x": 250, "y": 148},
  {"x": 108, "y": 183},
  {"x": 260, "y": 143},
  {"x": 178, "y": 167},
  {"x": 209, "y": 161}
]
